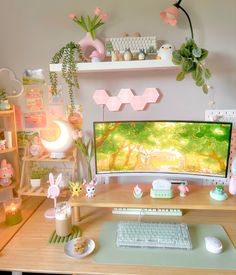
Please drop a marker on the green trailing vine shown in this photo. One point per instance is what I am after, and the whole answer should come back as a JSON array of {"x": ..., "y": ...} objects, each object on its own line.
[
  {"x": 68, "y": 55},
  {"x": 3, "y": 95},
  {"x": 191, "y": 58}
]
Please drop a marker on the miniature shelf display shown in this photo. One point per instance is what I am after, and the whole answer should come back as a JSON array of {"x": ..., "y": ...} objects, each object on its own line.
[
  {"x": 67, "y": 166},
  {"x": 9, "y": 150}
]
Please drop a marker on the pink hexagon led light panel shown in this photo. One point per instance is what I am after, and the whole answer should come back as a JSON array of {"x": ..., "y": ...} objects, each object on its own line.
[{"x": 126, "y": 96}]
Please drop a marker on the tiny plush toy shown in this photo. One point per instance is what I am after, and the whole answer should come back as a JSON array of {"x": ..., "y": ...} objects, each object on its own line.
[
  {"x": 165, "y": 52},
  {"x": 6, "y": 173},
  {"x": 2, "y": 144},
  {"x": 183, "y": 189},
  {"x": 137, "y": 192},
  {"x": 90, "y": 188},
  {"x": 75, "y": 187}
]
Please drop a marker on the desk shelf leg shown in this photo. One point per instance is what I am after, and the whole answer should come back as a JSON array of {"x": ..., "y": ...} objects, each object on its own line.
[{"x": 76, "y": 214}]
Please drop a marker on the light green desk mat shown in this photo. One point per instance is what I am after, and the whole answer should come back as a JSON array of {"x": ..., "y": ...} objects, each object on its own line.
[{"x": 198, "y": 257}]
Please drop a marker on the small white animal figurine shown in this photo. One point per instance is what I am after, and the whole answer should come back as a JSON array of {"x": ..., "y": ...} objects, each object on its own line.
[
  {"x": 90, "y": 188},
  {"x": 165, "y": 52},
  {"x": 142, "y": 54}
]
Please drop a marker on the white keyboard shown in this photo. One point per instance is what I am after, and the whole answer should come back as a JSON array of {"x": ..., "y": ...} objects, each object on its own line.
[
  {"x": 147, "y": 211},
  {"x": 148, "y": 43},
  {"x": 153, "y": 234}
]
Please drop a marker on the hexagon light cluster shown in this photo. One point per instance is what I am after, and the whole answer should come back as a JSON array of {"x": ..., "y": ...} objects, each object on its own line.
[{"x": 125, "y": 96}]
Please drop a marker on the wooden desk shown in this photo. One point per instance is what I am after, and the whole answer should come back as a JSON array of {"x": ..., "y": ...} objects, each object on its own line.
[
  {"x": 29, "y": 205},
  {"x": 29, "y": 250}
]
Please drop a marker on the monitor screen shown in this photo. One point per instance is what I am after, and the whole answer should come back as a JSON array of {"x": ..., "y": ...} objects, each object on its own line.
[{"x": 194, "y": 148}]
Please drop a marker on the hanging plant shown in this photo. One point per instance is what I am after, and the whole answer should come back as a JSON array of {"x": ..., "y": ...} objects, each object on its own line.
[
  {"x": 68, "y": 55},
  {"x": 189, "y": 56}
]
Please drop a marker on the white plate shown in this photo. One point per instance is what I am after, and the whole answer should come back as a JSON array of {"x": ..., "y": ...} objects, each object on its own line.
[{"x": 69, "y": 249}]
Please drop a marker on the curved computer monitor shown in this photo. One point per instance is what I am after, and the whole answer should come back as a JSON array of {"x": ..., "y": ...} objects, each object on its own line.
[{"x": 166, "y": 148}]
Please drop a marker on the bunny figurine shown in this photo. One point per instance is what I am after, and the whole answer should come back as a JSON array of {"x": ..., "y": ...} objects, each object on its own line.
[
  {"x": 6, "y": 173},
  {"x": 54, "y": 190},
  {"x": 90, "y": 188}
]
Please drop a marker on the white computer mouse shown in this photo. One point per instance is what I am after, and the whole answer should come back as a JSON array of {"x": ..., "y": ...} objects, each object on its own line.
[{"x": 213, "y": 245}]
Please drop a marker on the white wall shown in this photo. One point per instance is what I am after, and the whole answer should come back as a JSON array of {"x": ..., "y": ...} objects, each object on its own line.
[{"x": 32, "y": 31}]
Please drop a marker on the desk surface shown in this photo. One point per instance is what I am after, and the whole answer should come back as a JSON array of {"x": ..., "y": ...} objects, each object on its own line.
[
  {"x": 28, "y": 207},
  {"x": 29, "y": 250}
]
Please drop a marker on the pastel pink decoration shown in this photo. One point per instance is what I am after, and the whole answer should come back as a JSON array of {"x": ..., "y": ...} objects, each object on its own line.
[
  {"x": 151, "y": 95},
  {"x": 170, "y": 15},
  {"x": 104, "y": 17},
  {"x": 90, "y": 188},
  {"x": 100, "y": 97},
  {"x": 6, "y": 173},
  {"x": 97, "y": 11},
  {"x": 232, "y": 185},
  {"x": 113, "y": 104},
  {"x": 138, "y": 103},
  {"x": 72, "y": 16},
  {"x": 88, "y": 42},
  {"x": 125, "y": 95},
  {"x": 53, "y": 193}
]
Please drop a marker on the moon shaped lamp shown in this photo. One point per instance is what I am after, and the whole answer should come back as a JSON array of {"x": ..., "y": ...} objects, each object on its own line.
[{"x": 58, "y": 147}]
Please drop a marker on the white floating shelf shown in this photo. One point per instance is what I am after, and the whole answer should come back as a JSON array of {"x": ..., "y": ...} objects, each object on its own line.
[{"x": 136, "y": 65}]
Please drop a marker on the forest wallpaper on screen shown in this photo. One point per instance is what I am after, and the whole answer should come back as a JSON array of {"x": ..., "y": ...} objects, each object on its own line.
[{"x": 167, "y": 147}]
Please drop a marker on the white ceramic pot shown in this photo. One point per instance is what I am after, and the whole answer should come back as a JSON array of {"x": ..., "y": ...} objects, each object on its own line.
[{"x": 35, "y": 182}]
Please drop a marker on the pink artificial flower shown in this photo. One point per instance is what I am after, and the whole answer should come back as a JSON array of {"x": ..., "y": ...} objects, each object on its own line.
[
  {"x": 72, "y": 16},
  {"x": 170, "y": 15},
  {"x": 104, "y": 17},
  {"x": 98, "y": 11},
  {"x": 76, "y": 134}
]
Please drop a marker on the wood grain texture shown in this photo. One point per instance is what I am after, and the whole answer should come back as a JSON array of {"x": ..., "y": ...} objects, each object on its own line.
[
  {"x": 29, "y": 250},
  {"x": 121, "y": 195},
  {"x": 29, "y": 205}
]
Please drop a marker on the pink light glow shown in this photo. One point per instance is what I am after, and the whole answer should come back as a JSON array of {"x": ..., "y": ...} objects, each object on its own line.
[
  {"x": 138, "y": 103},
  {"x": 125, "y": 95},
  {"x": 170, "y": 15},
  {"x": 151, "y": 95},
  {"x": 113, "y": 104},
  {"x": 100, "y": 97}
]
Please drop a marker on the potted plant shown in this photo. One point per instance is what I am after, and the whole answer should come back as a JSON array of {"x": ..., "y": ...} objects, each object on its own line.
[
  {"x": 189, "y": 55},
  {"x": 37, "y": 173},
  {"x": 68, "y": 55},
  {"x": 4, "y": 104}
]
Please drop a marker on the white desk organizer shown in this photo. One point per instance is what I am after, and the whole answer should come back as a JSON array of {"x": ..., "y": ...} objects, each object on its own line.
[
  {"x": 148, "y": 43},
  {"x": 223, "y": 116}
]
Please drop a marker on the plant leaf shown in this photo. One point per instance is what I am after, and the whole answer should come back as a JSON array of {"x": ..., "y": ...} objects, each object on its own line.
[
  {"x": 197, "y": 52},
  {"x": 176, "y": 58},
  {"x": 207, "y": 73},
  {"x": 205, "y": 89},
  {"x": 200, "y": 82},
  {"x": 180, "y": 76},
  {"x": 204, "y": 55},
  {"x": 187, "y": 65}
]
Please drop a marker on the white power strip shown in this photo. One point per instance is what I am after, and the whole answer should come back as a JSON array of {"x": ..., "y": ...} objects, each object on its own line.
[
  {"x": 147, "y": 211},
  {"x": 223, "y": 116}
]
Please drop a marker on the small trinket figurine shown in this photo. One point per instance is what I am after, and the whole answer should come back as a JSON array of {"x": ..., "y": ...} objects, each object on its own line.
[
  {"x": 2, "y": 144},
  {"x": 142, "y": 54},
  {"x": 128, "y": 55},
  {"x": 6, "y": 173},
  {"x": 218, "y": 193},
  {"x": 183, "y": 189},
  {"x": 90, "y": 188},
  {"x": 165, "y": 52},
  {"x": 115, "y": 55},
  {"x": 137, "y": 192},
  {"x": 95, "y": 56},
  {"x": 75, "y": 188}
]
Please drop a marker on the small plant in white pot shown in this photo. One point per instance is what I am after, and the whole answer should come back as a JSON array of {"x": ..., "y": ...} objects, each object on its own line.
[{"x": 37, "y": 174}]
